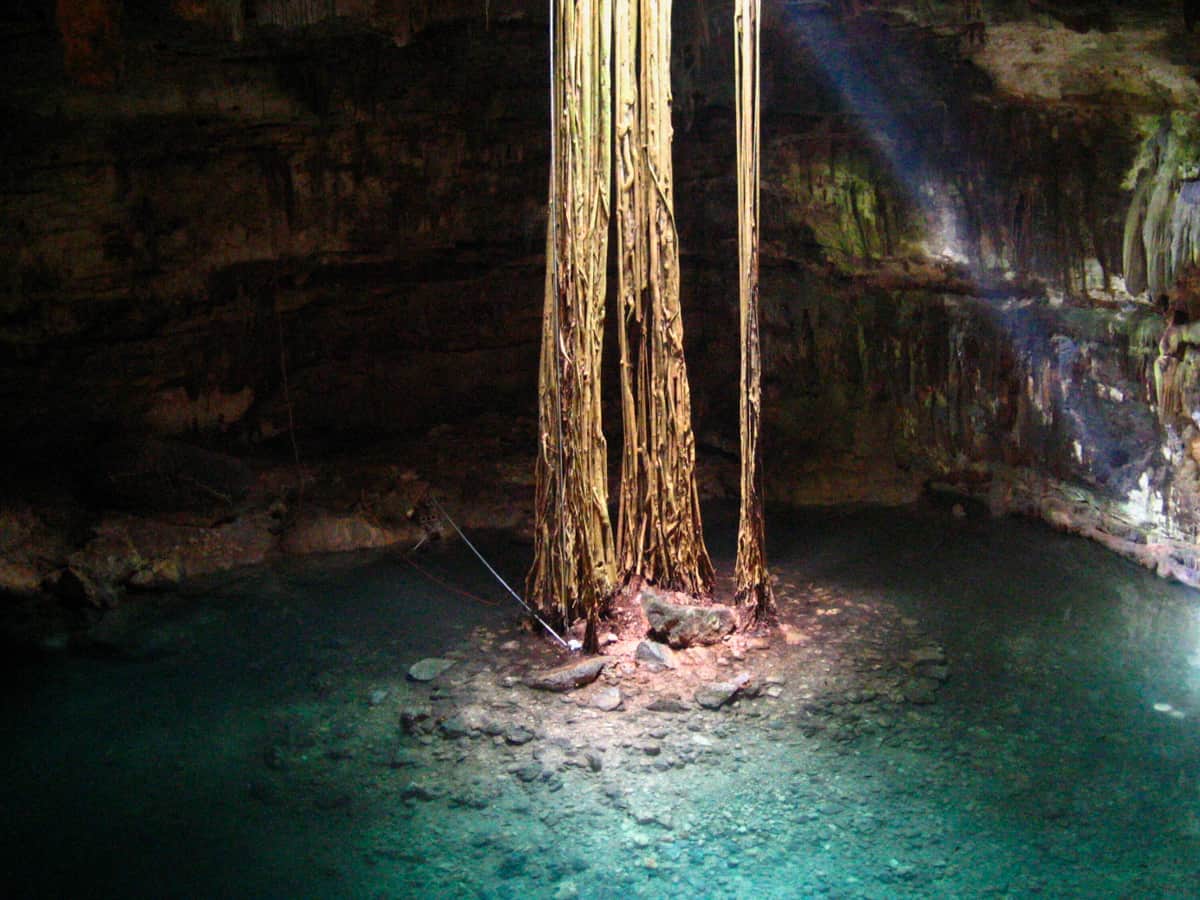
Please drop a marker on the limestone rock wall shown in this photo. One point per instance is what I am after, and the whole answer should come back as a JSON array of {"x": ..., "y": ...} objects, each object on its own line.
[
  {"x": 355, "y": 220},
  {"x": 330, "y": 228}
]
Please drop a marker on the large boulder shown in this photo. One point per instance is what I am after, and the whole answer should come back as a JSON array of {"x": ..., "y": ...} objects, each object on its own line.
[{"x": 684, "y": 625}]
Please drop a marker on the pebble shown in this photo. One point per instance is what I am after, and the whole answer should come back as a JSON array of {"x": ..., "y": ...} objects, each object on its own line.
[
  {"x": 517, "y": 735},
  {"x": 607, "y": 700},
  {"x": 428, "y": 669}
]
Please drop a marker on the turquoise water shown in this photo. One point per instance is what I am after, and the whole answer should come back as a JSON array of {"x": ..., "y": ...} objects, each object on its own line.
[{"x": 244, "y": 739}]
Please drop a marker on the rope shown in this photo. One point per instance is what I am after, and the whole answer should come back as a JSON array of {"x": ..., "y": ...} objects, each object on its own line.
[
  {"x": 488, "y": 566},
  {"x": 442, "y": 583}
]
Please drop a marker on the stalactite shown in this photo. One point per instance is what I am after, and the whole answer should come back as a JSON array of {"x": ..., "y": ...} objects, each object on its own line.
[{"x": 1162, "y": 224}]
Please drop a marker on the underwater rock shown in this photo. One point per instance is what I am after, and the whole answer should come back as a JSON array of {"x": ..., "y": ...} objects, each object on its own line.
[
  {"x": 456, "y": 727},
  {"x": 415, "y": 720},
  {"x": 417, "y": 791},
  {"x": 656, "y": 656},
  {"x": 684, "y": 626},
  {"x": 530, "y": 771},
  {"x": 518, "y": 735},
  {"x": 921, "y": 691},
  {"x": 716, "y": 694},
  {"x": 402, "y": 758},
  {"x": 428, "y": 669},
  {"x": 568, "y": 677},
  {"x": 930, "y": 654},
  {"x": 608, "y": 699},
  {"x": 668, "y": 704}
]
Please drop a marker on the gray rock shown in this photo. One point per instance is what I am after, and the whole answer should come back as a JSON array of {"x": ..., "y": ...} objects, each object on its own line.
[
  {"x": 594, "y": 759},
  {"x": 921, "y": 691},
  {"x": 930, "y": 654},
  {"x": 568, "y": 677},
  {"x": 429, "y": 669},
  {"x": 416, "y": 720},
  {"x": 668, "y": 704},
  {"x": 456, "y": 727},
  {"x": 938, "y": 673},
  {"x": 518, "y": 735},
  {"x": 607, "y": 699},
  {"x": 656, "y": 656},
  {"x": 529, "y": 772},
  {"x": 417, "y": 791},
  {"x": 686, "y": 626},
  {"x": 402, "y": 758},
  {"x": 377, "y": 696},
  {"x": 716, "y": 694}
]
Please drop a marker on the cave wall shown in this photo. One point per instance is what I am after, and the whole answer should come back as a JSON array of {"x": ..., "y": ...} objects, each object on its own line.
[
  {"x": 359, "y": 214},
  {"x": 325, "y": 222}
]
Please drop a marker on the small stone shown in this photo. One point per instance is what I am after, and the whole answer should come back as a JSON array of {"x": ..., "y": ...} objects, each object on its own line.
[
  {"x": 921, "y": 691},
  {"x": 594, "y": 759},
  {"x": 667, "y": 705},
  {"x": 377, "y": 696},
  {"x": 655, "y": 656},
  {"x": 416, "y": 791},
  {"x": 607, "y": 700},
  {"x": 716, "y": 694},
  {"x": 456, "y": 727},
  {"x": 415, "y": 720},
  {"x": 531, "y": 771},
  {"x": 650, "y": 748},
  {"x": 429, "y": 669},
  {"x": 931, "y": 654},
  {"x": 517, "y": 735},
  {"x": 938, "y": 673},
  {"x": 402, "y": 758}
]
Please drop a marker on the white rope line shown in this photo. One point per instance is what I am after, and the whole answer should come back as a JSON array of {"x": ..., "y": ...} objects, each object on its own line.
[{"x": 516, "y": 596}]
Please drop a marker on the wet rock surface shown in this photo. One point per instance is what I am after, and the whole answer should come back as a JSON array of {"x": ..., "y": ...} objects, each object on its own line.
[
  {"x": 685, "y": 625},
  {"x": 568, "y": 676}
]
